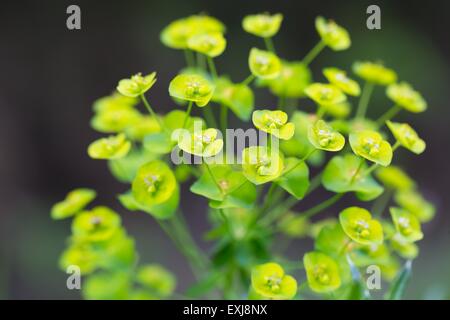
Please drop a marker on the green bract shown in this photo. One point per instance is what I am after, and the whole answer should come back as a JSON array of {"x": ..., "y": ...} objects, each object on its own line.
[
  {"x": 406, "y": 224},
  {"x": 113, "y": 102},
  {"x": 358, "y": 224},
  {"x": 238, "y": 97},
  {"x": 191, "y": 87},
  {"x": 115, "y": 119},
  {"x": 264, "y": 64},
  {"x": 261, "y": 164},
  {"x": 407, "y": 136},
  {"x": 273, "y": 122},
  {"x": 333, "y": 35},
  {"x": 294, "y": 178},
  {"x": 406, "y": 97},
  {"x": 144, "y": 126},
  {"x": 113, "y": 147},
  {"x": 262, "y": 25},
  {"x": 210, "y": 44},
  {"x": 374, "y": 73},
  {"x": 339, "y": 111},
  {"x": 154, "y": 184},
  {"x": 322, "y": 136},
  {"x": 325, "y": 94},
  {"x": 413, "y": 201},
  {"x": 270, "y": 281},
  {"x": 98, "y": 224},
  {"x": 394, "y": 177},
  {"x": 137, "y": 85},
  {"x": 322, "y": 272},
  {"x": 331, "y": 239},
  {"x": 371, "y": 146},
  {"x": 404, "y": 248},
  {"x": 203, "y": 143},
  {"x": 80, "y": 255},
  {"x": 339, "y": 78},
  {"x": 294, "y": 226},
  {"x": 155, "y": 277},
  {"x": 75, "y": 201}
]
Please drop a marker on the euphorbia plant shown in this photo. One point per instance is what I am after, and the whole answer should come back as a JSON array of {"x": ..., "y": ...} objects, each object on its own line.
[{"x": 251, "y": 199}]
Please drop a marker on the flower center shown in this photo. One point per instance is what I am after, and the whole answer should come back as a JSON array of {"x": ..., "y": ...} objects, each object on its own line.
[
  {"x": 273, "y": 282},
  {"x": 362, "y": 228},
  {"x": 321, "y": 275},
  {"x": 152, "y": 182}
]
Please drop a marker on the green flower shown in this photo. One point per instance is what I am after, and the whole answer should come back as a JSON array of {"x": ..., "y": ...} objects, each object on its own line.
[
  {"x": 144, "y": 126},
  {"x": 136, "y": 85},
  {"x": 156, "y": 278},
  {"x": 407, "y": 250},
  {"x": 358, "y": 224},
  {"x": 339, "y": 110},
  {"x": 264, "y": 64},
  {"x": 406, "y": 97},
  {"x": 154, "y": 184},
  {"x": 113, "y": 102},
  {"x": 407, "y": 136},
  {"x": 203, "y": 143},
  {"x": 371, "y": 146},
  {"x": 325, "y": 94},
  {"x": 333, "y": 35},
  {"x": 331, "y": 239},
  {"x": 113, "y": 147},
  {"x": 81, "y": 255},
  {"x": 210, "y": 44},
  {"x": 413, "y": 201},
  {"x": 238, "y": 97},
  {"x": 107, "y": 286},
  {"x": 273, "y": 122},
  {"x": 406, "y": 224},
  {"x": 261, "y": 164},
  {"x": 363, "y": 255},
  {"x": 75, "y": 201},
  {"x": 270, "y": 281},
  {"x": 322, "y": 272},
  {"x": 394, "y": 177},
  {"x": 115, "y": 119},
  {"x": 322, "y": 136},
  {"x": 191, "y": 87},
  {"x": 98, "y": 224},
  {"x": 262, "y": 25},
  {"x": 374, "y": 73},
  {"x": 339, "y": 78},
  {"x": 294, "y": 226}
]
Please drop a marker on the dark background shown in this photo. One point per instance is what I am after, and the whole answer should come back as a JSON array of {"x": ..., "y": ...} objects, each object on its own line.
[{"x": 50, "y": 76}]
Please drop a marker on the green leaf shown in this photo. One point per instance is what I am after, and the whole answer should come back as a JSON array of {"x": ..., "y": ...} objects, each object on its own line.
[
  {"x": 125, "y": 169},
  {"x": 205, "y": 285},
  {"x": 159, "y": 143},
  {"x": 295, "y": 178},
  {"x": 399, "y": 285}
]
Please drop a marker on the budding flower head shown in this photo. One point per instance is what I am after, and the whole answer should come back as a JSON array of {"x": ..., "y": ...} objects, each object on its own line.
[
  {"x": 322, "y": 136},
  {"x": 98, "y": 224},
  {"x": 407, "y": 137},
  {"x": 262, "y": 25},
  {"x": 273, "y": 122},
  {"x": 203, "y": 143},
  {"x": 261, "y": 164},
  {"x": 405, "y": 96},
  {"x": 322, "y": 272},
  {"x": 136, "y": 85},
  {"x": 358, "y": 224},
  {"x": 113, "y": 147},
  {"x": 191, "y": 87},
  {"x": 339, "y": 78},
  {"x": 270, "y": 282},
  {"x": 210, "y": 44},
  {"x": 115, "y": 119},
  {"x": 264, "y": 64},
  {"x": 374, "y": 72},
  {"x": 156, "y": 278},
  {"x": 371, "y": 146},
  {"x": 325, "y": 94},
  {"x": 395, "y": 177},
  {"x": 412, "y": 201},
  {"x": 406, "y": 224},
  {"x": 74, "y": 202},
  {"x": 333, "y": 35}
]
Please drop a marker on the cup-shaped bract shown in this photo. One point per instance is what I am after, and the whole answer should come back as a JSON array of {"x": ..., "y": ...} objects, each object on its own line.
[
  {"x": 394, "y": 177},
  {"x": 405, "y": 249},
  {"x": 75, "y": 201},
  {"x": 406, "y": 224},
  {"x": 264, "y": 64},
  {"x": 144, "y": 126},
  {"x": 261, "y": 164},
  {"x": 407, "y": 137},
  {"x": 113, "y": 102},
  {"x": 270, "y": 282},
  {"x": 325, "y": 94},
  {"x": 333, "y": 35},
  {"x": 414, "y": 202},
  {"x": 191, "y": 87},
  {"x": 203, "y": 143},
  {"x": 81, "y": 255},
  {"x": 115, "y": 119},
  {"x": 113, "y": 147},
  {"x": 340, "y": 79},
  {"x": 375, "y": 73},
  {"x": 156, "y": 278},
  {"x": 358, "y": 224},
  {"x": 154, "y": 184},
  {"x": 324, "y": 137},
  {"x": 262, "y": 25},
  {"x": 210, "y": 44},
  {"x": 274, "y": 122},
  {"x": 137, "y": 85},
  {"x": 371, "y": 146},
  {"x": 404, "y": 95},
  {"x": 98, "y": 224},
  {"x": 322, "y": 272},
  {"x": 236, "y": 96}
]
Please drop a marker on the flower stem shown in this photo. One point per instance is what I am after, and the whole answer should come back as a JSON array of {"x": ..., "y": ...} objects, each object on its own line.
[
  {"x": 212, "y": 67},
  {"x": 212, "y": 176},
  {"x": 388, "y": 115},
  {"x": 189, "y": 58},
  {"x": 188, "y": 113},
  {"x": 223, "y": 119},
  {"x": 361, "y": 163},
  {"x": 209, "y": 116},
  {"x": 248, "y": 80},
  {"x": 269, "y": 44},
  {"x": 313, "y": 53},
  {"x": 381, "y": 203},
  {"x": 364, "y": 100},
  {"x": 152, "y": 113}
]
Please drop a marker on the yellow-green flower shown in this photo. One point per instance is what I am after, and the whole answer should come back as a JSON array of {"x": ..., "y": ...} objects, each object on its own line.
[
  {"x": 406, "y": 97},
  {"x": 406, "y": 224},
  {"x": 322, "y": 272},
  {"x": 374, "y": 73},
  {"x": 113, "y": 102},
  {"x": 115, "y": 119},
  {"x": 273, "y": 122},
  {"x": 154, "y": 184},
  {"x": 157, "y": 279},
  {"x": 144, "y": 126},
  {"x": 203, "y": 143},
  {"x": 210, "y": 44},
  {"x": 261, "y": 164},
  {"x": 264, "y": 64},
  {"x": 191, "y": 87},
  {"x": 414, "y": 202},
  {"x": 236, "y": 96},
  {"x": 333, "y": 35},
  {"x": 270, "y": 282},
  {"x": 98, "y": 224},
  {"x": 136, "y": 85},
  {"x": 339, "y": 111},
  {"x": 74, "y": 202},
  {"x": 113, "y": 147},
  {"x": 407, "y": 136},
  {"x": 81, "y": 255},
  {"x": 407, "y": 250},
  {"x": 262, "y": 25},
  {"x": 370, "y": 145},
  {"x": 339, "y": 78},
  {"x": 322, "y": 136},
  {"x": 325, "y": 94},
  {"x": 360, "y": 227},
  {"x": 394, "y": 177}
]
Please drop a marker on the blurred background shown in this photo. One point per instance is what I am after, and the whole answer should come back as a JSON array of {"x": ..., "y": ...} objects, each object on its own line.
[{"x": 50, "y": 76}]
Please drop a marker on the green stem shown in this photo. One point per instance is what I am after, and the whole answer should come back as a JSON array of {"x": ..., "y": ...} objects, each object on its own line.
[
  {"x": 223, "y": 119},
  {"x": 313, "y": 53},
  {"x": 300, "y": 161},
  {"x": 268, "y": 198},
  {"x": 188, "y": 113},
  {"x": 269, "y": 44},
  {"x": 370, "y": 169},
  {"x": 321, "y": 112},
  {"x": 381, "y": 203},
  {"x": 361, "y": 163},
  {"x": 189, "y": 58},
  {"x": 364, "y": 100},
  {"x": 282, "y": 101},
  {"x": 209, "y": 116},
  {"x": 396, "y": 145},
  {"x": 322, "y": 206},
  {"x": 152, "y": 113},
  {"x": 248, "y": 80},
  {"x": 201, "y": 61},
  {"x": 388, "y": 115},
  {"x": 212, "y": 176},
  {"x": 212, "y": 67}
]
